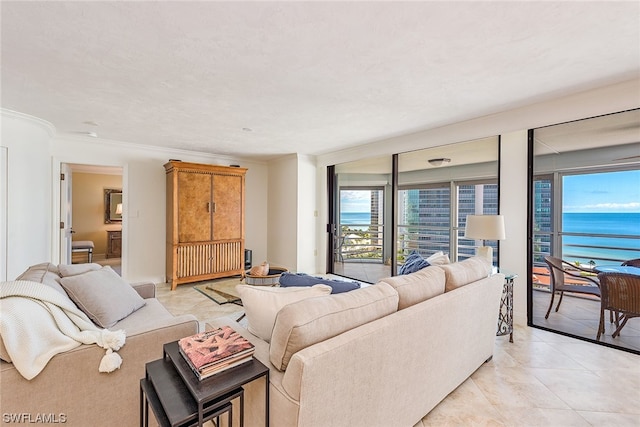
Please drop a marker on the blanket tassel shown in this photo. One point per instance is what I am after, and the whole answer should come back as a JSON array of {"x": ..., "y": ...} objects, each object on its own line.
[{"x": 110, "y": 362}]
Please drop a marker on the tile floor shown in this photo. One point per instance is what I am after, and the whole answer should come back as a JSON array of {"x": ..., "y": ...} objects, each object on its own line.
[{"x": 541, "y": 379}]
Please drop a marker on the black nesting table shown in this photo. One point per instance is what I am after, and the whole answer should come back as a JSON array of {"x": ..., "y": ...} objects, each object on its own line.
[{"x": 179, "y": 399}]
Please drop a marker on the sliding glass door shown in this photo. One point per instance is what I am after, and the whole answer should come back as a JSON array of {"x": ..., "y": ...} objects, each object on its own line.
[
  {"x": 362, "y": 209},
  {"x": 585, "y": 209}
]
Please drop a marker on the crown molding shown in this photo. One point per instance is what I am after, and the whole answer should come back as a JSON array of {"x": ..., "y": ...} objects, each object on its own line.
[{"x": 45, "y": 125}]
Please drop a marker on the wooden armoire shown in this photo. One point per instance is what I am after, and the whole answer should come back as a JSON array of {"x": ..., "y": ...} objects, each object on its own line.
[{"x": 205, "y": 221}]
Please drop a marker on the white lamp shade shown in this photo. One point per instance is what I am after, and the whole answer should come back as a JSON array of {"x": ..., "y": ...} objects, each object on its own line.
[
  {"x": 485, "y": 227},
  {"x": 119, "y": 209}
]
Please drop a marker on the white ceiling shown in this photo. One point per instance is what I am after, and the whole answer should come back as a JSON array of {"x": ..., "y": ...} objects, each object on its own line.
[{"x": 263, "y": 79}]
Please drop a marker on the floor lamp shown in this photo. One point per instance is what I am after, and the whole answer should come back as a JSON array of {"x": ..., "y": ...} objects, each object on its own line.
[{"x": 485, "y": 227}]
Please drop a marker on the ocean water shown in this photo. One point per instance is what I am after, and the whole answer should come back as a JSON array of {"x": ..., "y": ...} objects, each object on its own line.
[
  {"x": 601, "y": 250},
  {"x": 602, "y": 223},
  {"x": 355, "y": 218},
  {"x": 358, "y": 218}
]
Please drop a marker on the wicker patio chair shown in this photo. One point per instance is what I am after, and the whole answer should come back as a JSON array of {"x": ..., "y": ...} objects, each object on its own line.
[
  {"x": 632, "y": 262},
  {"x": 620, "y": 294},
  {"x": 567, "y": 277}
]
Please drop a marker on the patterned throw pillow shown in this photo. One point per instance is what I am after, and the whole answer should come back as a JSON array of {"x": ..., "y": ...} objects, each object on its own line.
[{"x": 413, "y": 263}]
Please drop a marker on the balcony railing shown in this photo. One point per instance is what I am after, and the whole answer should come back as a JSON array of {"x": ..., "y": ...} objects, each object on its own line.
[
  {"x": 360, "y": 242},
  {"x": 422, "y": 238},
  {"x": 428, "y": 239},
  {"x": 587, "y": 248}
]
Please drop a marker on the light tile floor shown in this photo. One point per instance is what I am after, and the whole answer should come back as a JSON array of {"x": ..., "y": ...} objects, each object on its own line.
[{"x": 541, "y": 379}]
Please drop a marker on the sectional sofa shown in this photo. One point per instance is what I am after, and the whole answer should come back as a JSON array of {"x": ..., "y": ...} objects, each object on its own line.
[
  {"x": 70, "y": 390},
  {"x": 379, "y": 356}
]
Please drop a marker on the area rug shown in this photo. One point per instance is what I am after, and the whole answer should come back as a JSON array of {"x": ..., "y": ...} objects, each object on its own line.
[{"x": 222, "y": 291}]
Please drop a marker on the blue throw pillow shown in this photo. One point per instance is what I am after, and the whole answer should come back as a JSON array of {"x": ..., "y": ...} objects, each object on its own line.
[
  {"x": 302, "y": 279},
  {"x": 413, "y": 263}
]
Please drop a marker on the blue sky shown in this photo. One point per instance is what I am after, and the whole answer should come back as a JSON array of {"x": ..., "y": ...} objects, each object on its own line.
[
  {"x": 355, "y": 201},
  {"x": 603, "y": 192}
]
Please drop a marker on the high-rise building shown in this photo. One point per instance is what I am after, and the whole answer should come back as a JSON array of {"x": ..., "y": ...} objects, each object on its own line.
[{"x": 425, "y": 216}]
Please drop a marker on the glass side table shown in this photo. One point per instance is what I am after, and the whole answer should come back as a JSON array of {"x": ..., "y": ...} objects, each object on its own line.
[{"x": 505, "y": 317}]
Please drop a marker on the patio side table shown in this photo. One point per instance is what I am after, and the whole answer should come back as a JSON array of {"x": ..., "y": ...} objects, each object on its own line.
[{"x": 505, "y": 317}]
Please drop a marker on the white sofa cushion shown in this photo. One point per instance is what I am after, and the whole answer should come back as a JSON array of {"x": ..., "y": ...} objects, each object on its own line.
[
  {"x": 262, "y": 303},
  {"x": 464, "y": 272},
  {"x": 45, "y": 273},
  {"x": 307, "y": 322},
  {"x": 417, "y": 287}
]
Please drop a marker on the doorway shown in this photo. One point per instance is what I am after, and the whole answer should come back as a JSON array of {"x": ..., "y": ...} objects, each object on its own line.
[{"x": 92, "y": 211}]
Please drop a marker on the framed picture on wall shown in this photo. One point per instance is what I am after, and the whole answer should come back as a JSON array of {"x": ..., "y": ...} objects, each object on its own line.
[{"x": 112, "y": 205}]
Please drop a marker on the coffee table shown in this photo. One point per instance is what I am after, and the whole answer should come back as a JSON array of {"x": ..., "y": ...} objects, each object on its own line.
[{"x": 179, "y": 399}]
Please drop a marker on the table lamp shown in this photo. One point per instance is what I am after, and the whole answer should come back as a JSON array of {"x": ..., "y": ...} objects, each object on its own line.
[
  {"x": 119, "y": 209},
  {"x": 485, "y": 227}
]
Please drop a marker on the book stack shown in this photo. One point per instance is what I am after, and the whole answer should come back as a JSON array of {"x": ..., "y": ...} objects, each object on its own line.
[{"x": 211, "y": 352}]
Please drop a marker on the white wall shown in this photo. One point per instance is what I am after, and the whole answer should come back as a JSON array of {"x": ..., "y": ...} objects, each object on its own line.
[
  {"x": 282, "y": 210},
  {"x": 28, "y": 207},
  {"x": 292, "y": 213},
  {"x": 513, "y": 205},
  {"x": 3, "y": 212},
  {"x": 307, "y": 215},
  {"x": 512, "y": 125}
]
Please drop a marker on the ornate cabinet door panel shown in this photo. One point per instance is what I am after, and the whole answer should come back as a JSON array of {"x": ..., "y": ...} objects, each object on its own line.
[
  {"x": 194, "y": 207},
  {"x": 229, "y": 209}
]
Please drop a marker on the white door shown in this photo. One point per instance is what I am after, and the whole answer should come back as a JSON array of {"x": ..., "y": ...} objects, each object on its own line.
[{"x": 65, "y": 214}]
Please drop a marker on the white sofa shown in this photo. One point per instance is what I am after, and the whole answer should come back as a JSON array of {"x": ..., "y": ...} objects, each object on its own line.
[
  {"x": 383, "y": 355},
  {"x": 70, "y": 390}
]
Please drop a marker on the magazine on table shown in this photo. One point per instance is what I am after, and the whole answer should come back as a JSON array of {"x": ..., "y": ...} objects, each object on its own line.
[{"x": 213, "y": 351}]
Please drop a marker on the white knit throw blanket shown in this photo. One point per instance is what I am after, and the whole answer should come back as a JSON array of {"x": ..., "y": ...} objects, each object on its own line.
[{"x": 37, "y": 322}]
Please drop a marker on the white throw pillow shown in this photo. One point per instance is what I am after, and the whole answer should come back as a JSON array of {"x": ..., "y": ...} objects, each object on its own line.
[
  {"x": 439, "y": 258},
  {"x": 262, "y": 303},
  {"x": 102, "y": 295}
]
